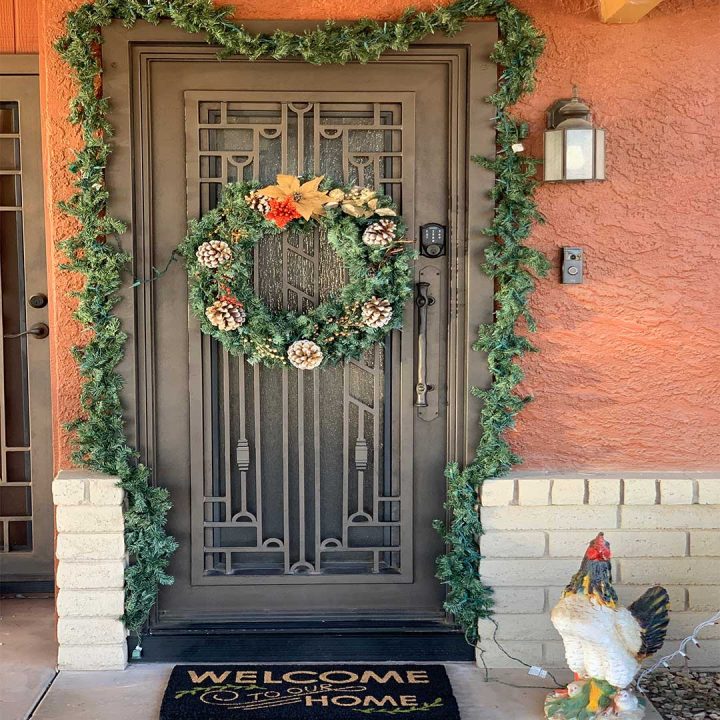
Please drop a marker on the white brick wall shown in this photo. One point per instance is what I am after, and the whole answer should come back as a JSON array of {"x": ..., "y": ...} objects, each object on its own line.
[
  {"x": 90, "y": 551},
  {"x": 663, "y": 528}
]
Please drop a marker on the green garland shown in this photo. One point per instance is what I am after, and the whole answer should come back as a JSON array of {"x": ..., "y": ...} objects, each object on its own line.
[
  {"x": 100, "y": 436},
  {"x": 219, "y": 256}
]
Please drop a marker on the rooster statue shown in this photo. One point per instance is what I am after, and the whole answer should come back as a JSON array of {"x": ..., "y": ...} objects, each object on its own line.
[{"x": 604, "y": 643}]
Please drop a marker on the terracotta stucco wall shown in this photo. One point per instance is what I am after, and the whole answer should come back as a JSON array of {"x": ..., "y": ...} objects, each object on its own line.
[{"x": 629, "y": 370}]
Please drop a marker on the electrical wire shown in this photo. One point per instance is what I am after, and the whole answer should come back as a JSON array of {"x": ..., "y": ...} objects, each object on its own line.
[
  {"x": 486, "y": 671},
  {"x": 157, "y": 274},
  {"x": 662, "y": 662},
  {"x": 522, "y": 662}
]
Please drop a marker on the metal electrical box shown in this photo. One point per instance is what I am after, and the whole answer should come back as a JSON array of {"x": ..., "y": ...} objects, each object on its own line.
[{"x": 572, "y": 266}]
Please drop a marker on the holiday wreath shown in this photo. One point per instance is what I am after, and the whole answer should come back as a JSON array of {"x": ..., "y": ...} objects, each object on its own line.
[{"x": 362, "y": 227}]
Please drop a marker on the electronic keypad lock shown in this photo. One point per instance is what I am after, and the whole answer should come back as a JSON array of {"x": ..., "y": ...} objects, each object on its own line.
[{"x": 432, "y": 240}]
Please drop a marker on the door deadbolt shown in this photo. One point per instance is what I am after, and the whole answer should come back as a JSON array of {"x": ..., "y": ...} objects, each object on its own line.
[
  {"x": 37, "y": 301},
  {"x": 432, "y": 240}
]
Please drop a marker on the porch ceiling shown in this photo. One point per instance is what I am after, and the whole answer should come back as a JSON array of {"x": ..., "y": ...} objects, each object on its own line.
[{"x": 625, "y": 11}]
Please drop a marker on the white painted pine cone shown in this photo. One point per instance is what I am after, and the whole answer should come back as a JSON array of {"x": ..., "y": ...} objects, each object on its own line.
[
  {"x": 213, "y": 253},
  {"x": 226, "y": 315},
  {"x": 305, "y": 354},
  {"x": 380, "y": 233},
  {"x": 376, "y": 312}
]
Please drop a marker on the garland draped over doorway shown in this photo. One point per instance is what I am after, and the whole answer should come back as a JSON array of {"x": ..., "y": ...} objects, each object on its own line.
[{"x": 100, "y": 441}]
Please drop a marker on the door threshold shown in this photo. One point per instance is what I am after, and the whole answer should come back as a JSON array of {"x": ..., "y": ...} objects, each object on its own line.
[{"x": 216, "y": 646}]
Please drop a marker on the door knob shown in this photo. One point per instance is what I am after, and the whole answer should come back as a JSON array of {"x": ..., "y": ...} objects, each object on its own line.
[{"x": 38, "y": 330}]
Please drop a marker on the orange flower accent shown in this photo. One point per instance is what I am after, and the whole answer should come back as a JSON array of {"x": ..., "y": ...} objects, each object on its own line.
[
  {"x": 308, "y": 199},
  {"x": 282, "y": 211}
]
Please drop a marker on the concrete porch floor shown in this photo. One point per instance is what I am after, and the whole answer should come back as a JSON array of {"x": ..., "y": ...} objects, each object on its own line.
[
  {"x": 137, "y": 692},
  {"x": 27, "y": 667},
  {"x": 28, "y": 653}
]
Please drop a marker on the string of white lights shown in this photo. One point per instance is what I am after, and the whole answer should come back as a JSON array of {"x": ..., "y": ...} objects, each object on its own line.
[{"x": 680, "y": 652}]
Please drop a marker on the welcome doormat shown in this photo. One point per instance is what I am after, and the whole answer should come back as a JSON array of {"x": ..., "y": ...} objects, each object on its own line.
[{"x": 308, "y": 692}]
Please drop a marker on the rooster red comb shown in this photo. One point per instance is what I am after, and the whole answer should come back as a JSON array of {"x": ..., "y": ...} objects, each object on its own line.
[{"x": 599, "y": 549}]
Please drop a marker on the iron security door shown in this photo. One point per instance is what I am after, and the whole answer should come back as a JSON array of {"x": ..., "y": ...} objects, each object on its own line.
[
  {"x": 294, "y": 481},
  {"x": 26, "y": 518},
  {"x": 297, "y": 495}
]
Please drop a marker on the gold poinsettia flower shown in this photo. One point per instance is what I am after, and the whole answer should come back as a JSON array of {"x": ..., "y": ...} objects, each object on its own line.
[
  {"x": 336, "y": 196},
  {"x": 358, "y": 202},
  {"x": 307, "y": 198}
]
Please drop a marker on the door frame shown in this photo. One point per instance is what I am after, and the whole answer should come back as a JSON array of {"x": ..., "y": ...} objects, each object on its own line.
[
  {"x": 462, "y": 54},
  {"x": 14, "y": 579}
]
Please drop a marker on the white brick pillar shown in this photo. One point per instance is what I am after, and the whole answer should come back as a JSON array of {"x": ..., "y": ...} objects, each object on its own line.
[{"x": 90, "y": 571}]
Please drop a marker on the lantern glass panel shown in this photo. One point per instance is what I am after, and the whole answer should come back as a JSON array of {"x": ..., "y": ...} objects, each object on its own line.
[
  {"x": 553, "y": 160},
  {"x": 579, "y": 153}
]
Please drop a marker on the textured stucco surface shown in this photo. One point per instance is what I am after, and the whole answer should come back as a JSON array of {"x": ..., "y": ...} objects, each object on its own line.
[{"x": 629, "y": 370}]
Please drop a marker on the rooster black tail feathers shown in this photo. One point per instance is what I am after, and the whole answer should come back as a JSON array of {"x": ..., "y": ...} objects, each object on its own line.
[{"x": 651, "y": 611}]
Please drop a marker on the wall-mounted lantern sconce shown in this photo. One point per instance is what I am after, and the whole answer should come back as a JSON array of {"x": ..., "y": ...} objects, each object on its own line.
[{"x": 574, "y": 149}]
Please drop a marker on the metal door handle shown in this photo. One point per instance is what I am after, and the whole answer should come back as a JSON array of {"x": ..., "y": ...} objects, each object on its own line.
[
  {"x": 38, "y": 330},
  {"x": 423, "y": 300}
]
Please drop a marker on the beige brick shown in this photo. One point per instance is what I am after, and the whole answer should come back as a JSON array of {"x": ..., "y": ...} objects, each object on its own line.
[
  {"x": 90, "y": 631},
  {"x": 95, "y": 546},
  {"x": 676, "y": 491},
  {"x": 675, "y": 571},
  {"x": 624, "y": 543},
  {"x": 526, "y": 572},
  {"x": 554, "y": 655},
  {"x": 498, "y": 491},
  {"x": 674, "y": 516},
  {"x": 525, "y": 627},
  {"x": 81, "y": 474},
  {"x": 572, "y": 517},
  {"x": 534, "y": 491},
  {"x": 627, "y": 594},
  {"x": 568, "y": 491},
  {"x": 709, "y": 491},
  {"x": 555, "y": 591},
  {"x": 604, "y": 491},
  {"x": 92, "y": 657},
  {"x": 704, "y": 598},
  {"x": 640, "y": 491},
  {"x": 90, "y": 603},
  {"x": 68, "y": 491},
  {"x": 705, "y": 542},
  {"x": 104, "y": 491},
  {"x": 85, "y": 519},
  {"x": 519, "y": 599},
  {"x": 513, "y": 544},
  {"x": 83, "y": 574},
  {"x": 683, "y": 623}
]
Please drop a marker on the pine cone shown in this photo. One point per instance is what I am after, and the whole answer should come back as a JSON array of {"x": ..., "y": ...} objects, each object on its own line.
[
  {"x": 305, "y": 354},
  {"x": 213, "y": 253},
  {"x": 376, "y": 312},
  {"x": 379, "y": 233},
  {"x": 226, "y": 314},
  {"x": 258, "y": 202}
]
